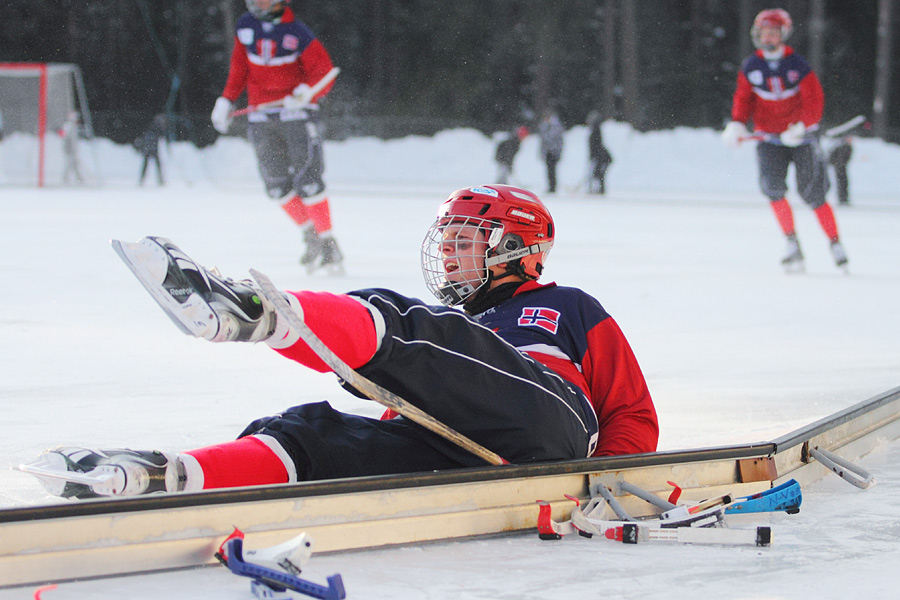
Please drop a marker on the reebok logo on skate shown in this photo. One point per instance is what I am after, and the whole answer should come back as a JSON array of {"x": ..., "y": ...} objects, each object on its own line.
[{"x": 545, "y": 318}]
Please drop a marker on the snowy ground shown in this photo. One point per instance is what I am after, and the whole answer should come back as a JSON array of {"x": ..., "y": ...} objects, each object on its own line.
[{"x": 683, "y": 253}]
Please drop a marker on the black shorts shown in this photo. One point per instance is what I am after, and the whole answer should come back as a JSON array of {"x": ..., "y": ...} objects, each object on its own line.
[
  {"x": 460, "y": 373},
  {"x": 809, "y": 164}
]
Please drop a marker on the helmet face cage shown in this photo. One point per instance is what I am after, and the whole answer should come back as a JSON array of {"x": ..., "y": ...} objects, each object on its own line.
[
  {"x": 266, "y": 10},
  {"x": 775, "y": 18},
  {"x": 481, "y": 227},
  {"x": 453, "y": 256}
]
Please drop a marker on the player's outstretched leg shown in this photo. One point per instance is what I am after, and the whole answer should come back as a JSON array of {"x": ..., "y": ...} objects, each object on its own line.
[
  {"x": 198, "y": 300},
  {"x": 83, "y": 473}
]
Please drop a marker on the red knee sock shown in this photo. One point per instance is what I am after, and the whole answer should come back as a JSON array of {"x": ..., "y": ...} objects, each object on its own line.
[
  {"x": 250, "y": 460},
  {"x": 784, "y": 215},
  {"x": 826, "y": 220},
  {"x": 296, "y": 210},
  {"x": 320, "y": 213},
  {"x": 344, "y": 324}
]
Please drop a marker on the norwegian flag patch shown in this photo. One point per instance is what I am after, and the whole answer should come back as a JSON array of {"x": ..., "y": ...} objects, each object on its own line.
[{"x": 545, "y": 318}]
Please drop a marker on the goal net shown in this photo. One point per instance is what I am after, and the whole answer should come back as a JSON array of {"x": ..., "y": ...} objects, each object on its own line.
[{"x": 46, "y": 126}]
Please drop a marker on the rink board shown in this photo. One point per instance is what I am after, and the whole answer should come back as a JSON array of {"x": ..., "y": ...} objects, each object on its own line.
[{"x": 97, "y": 538}]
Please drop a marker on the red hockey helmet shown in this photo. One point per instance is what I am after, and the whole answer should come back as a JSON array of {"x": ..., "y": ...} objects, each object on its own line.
[
  {"x": 480, "y": 227},
  {"x": 775, "y": 18}
]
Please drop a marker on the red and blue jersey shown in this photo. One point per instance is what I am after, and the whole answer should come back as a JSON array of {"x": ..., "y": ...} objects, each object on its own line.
[
  {"x": 777, "y": 93},
  {"x": 570, "y": 332},
  {"x": 270, "y": 59}
]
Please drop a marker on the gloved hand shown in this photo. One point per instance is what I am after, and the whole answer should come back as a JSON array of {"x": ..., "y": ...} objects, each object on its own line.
[
  {"x": 733, "y": 133},
  {"x": 794, "y": 135},
  {"x": 299, "y": 98},
  {"x": 221, "y": 115}
]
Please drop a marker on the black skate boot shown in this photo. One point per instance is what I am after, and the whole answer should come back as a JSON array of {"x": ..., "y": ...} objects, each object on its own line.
[
  {"x": 82, "y": 473},
  {"x": 793, "y": 256},
  {"x": 321, "y": 252},
  {"x": 199, "y": 301},
  {"x": 331, "y": 254},
  {"x": 314, "y": 247},
  {"x": 838, "y": 254}
]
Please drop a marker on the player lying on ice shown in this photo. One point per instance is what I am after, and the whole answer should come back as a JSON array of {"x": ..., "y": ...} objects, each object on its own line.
[{"x": 533, "y": 372}]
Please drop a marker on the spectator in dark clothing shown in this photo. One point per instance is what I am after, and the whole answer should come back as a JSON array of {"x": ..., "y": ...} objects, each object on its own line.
[
  {"x": 506, "y": 152},
  {"x": 838, "y": 158},
  {"x": 551, "y": 131},
  {"x": 148, "y": 145},
  {"x": 600, "y": 156}
]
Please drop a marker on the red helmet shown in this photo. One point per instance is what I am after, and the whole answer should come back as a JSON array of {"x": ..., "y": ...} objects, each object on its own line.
[
  {"x": 267, "y": 10},
  {"x": 776, "y": 18},
  {"x": 511, "y": 225}
]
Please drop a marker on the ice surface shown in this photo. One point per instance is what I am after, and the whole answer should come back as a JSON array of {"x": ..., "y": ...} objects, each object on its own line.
[{"x": 683, "y": 252}]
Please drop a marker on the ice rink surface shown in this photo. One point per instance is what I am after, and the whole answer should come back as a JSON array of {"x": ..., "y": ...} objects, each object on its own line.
[{"x": 733, "y": 349}]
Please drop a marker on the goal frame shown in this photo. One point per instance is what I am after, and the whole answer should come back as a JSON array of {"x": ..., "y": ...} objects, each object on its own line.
[{"x": 42, "y": 71}]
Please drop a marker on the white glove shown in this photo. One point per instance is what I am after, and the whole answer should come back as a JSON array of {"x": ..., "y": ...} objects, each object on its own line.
[
  {"x": 221, "y": 115},
  {"x": 733, "y": 133},
  {"x": 794, "y": 135},
  {"x": 299, "y": 98}
]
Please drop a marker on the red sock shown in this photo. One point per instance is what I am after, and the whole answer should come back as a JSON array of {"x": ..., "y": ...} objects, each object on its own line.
[
  {"x": 320, "y": 213},
  {"x": 247, "y": 461},
  {"x": 826, "y": 220},
  {"x": 784, "y": 215},
  {"x": 342, "y": 323},
  {"x": 296, "y": 210}
]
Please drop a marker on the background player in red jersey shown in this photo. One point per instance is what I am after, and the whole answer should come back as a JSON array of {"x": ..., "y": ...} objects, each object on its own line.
[
  {"x": 531, "y": 371},
  {"x": 780, "y": 93},
  {"x": 277, "y": 57}
]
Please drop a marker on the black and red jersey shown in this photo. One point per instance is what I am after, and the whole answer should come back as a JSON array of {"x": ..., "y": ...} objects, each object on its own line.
[
  {"x": 570, "y": 332},
  {"x": 776, "y": 93},
  {"x": 270, "y": 59}
]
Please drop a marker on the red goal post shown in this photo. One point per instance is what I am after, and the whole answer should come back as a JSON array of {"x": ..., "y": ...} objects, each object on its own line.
[{"x": 35, "y": 100}]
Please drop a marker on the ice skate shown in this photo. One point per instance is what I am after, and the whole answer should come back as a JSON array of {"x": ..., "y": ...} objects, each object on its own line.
[
  {"x": 82, "y": 473},
  {"x": 314, "y": 245},
  {"x": 839, "y": 256},
  {"x": 793, "y": 256},
  {"x": 199, "y": 301},
  {"x": 322, "y": 252}
]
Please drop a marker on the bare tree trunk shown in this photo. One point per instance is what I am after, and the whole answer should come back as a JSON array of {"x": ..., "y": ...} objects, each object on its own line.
[
  {"x": 228, "y": 20},
  {"x": 817, "y": 37},
  {"x": 746, "y": 22},
  {"x": 610, "y": 86},
  {"x": 881, "y": 104},
  {"x": 630, "y": 63}
]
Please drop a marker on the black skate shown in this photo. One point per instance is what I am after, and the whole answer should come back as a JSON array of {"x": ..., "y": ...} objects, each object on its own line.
[
  {"x": 793, "y": 256},
  {"x": 82, "y": 473},
  {"x": 199, "y": 301},
  {"x": 322, "y": 252},
  {"x": 839, "y": 256}
]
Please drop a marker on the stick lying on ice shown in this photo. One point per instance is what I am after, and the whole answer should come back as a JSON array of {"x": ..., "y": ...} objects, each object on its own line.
[{"x": 364, "y": 385}]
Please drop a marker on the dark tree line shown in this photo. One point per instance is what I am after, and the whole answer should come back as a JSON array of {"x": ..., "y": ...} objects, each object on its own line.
[{"x": 417, "y": 66}]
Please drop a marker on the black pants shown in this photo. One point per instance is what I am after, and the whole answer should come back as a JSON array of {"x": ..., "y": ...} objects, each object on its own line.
[
  {"x": 843, "y": 184},
  {"x": 159, "y": 174},
  {"x": 460, "y": 373},
  {"x": 289, "y": 152},
  {"x": 552, "y": 160},
  {"x": 809, "y": 163}
]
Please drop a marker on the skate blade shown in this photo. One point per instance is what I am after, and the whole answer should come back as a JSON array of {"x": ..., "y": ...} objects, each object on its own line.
[
  {"x": 51, "y": 471},
  {"x": 331, "y": 269},
  {"x": 794, "y": 268},
  {"x": 149, "y": 262}
]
